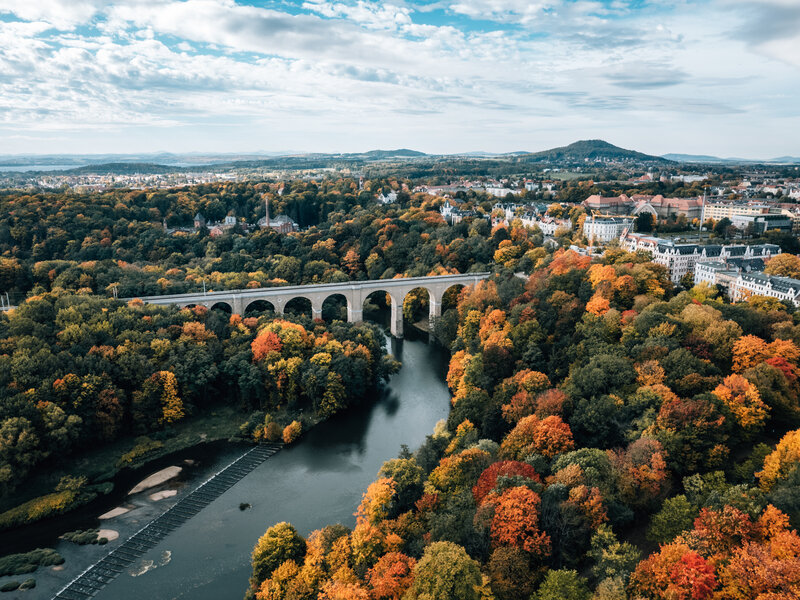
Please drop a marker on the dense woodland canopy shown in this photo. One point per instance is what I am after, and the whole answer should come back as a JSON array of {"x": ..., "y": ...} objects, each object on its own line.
[
  {"x": 79, "y": 371},
  {"x": 94, "y": 242},
  {"x": 610, "y": 436}
]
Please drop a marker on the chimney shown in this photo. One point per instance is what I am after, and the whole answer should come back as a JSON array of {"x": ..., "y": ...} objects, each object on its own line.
[{"x": 266, "y": 202}]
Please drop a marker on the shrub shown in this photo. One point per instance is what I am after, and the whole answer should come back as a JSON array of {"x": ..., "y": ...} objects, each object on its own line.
[
  {"x": 28, "y": 562},
  {"x": 143, "y": 447},
  {"x": 291, "y": 432},
  {"x": 82, "y": 537},
  {"x": 44, "y": 506}
]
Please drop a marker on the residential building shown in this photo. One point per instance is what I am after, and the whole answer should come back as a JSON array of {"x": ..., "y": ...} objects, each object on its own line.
[
  {"x": 619, "y": 205},
  {"x": 499, "y": 191},
  {"x": 389, "y": 198},
  {"x": 665, "y": 208},
  {"x": 760, "y": 284},
  {"x": 760, "y": 224},
  {"x": 633, "y": 242},
  {"x": 724, "y": 273},
  {"x": 680, "y": 259},
  {"x": 601, "y": 230},
  {"x": 446, "y": 209},
  {"x": 547, "y": 225},
  {"x": 727, "y": 210},
  {"x": 658, "y": 206}
]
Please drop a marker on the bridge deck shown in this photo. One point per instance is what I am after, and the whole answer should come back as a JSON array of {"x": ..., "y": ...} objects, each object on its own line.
[
  {"x": 96, "y": 577},
  {"x": 318, "y": 288}
]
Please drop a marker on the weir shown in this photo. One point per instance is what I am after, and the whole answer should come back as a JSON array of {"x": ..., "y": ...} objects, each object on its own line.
[{"x": 96, "y": 577}]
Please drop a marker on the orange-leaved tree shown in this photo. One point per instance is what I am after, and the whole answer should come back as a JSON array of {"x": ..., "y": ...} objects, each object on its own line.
[
  {"x": 516, "y": 522},
  {"x": 391, "y": 576},
  {"x": 744, "y": 402},
  {"x": 549, "y": 436},
  {"x": 508, "y": 468}
]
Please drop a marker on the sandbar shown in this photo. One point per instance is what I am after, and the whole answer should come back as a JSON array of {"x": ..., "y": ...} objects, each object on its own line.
[{"x": 156, "y": 479}]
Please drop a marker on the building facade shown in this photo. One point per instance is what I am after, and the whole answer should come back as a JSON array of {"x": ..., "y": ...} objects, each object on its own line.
[{"x": 604, "y": 229}]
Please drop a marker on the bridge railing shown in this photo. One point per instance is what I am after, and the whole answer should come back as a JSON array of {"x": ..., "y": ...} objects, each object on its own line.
[{"x": 318, "y": 287}]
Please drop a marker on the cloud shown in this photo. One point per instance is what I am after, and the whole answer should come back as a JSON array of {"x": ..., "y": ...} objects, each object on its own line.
[
  {"x": 771, "y": 27},
  {"x": 341, "y": 73},
  {"x": 62, "y": 15},
  {"x": 645, "y": 76}
]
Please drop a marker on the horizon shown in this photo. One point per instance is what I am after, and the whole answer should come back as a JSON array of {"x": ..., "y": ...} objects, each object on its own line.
[
  {"x": 225, "y": 76},
  {"x": 290, "y": 153}
]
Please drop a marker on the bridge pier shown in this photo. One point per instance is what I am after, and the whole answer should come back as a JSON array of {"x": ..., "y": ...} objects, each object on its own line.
[
  {"x": 237, "y": 306},
  {"x": 396, "y": 325},
  {"x": 316, "y": 310},
  {"x": 435, "y": 309},
  {"x": 354, "y": 315}
]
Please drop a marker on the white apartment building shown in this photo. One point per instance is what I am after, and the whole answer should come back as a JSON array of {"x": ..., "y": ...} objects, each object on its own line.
[
  {"x": 633, "y": 242},
  {"x": 759, "y": 284},
  {"x": 547, "y": 225},
  {"x": 680, "y": 259},
  {"x": 604, "y": 229},
  {"x": 725, "y": 210}
]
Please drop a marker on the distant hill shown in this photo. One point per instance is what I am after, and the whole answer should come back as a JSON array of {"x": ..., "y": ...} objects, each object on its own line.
[
  {"x": 124, "y": 168},
  {"x": 694, "y": 158},
  {"x": 592, "y": 150},
  {"x": 400, "y": 153},
  {"x": 733, "y": 160}
]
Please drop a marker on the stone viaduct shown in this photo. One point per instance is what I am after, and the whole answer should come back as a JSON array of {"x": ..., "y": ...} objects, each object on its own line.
[{"x": 354, "y": 292}]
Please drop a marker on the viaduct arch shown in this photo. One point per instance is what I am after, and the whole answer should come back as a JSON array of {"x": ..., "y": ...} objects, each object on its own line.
[{"x": 354, "y": 292}]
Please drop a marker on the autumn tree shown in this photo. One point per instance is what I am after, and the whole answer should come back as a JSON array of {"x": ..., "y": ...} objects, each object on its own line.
[
  {"x": 784, "y": 265},
  {"x": 781, "y": 461},
  {"x": 391, "y": 576},
  {"x": 504, "y": 468},
  {"x": 516, "y": 522},
  {"x": 157, "y": 403},
  {"x": 445, "y": 572},
  {"x": 549, "y": 437},
  {"x": 675, "y": 571},
  {"x": 280, "y": 543},
  {"x": 743, "y": 401},
  {"x": 562, "y": 584},
  {"x": 291, "y": 432},
  {"x": 510, "y": 573}
]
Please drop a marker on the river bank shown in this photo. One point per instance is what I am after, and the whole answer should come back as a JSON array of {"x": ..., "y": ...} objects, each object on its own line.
[
  {"x": 121, "y": 462},
  {"x": 345, "y": 452},
  {"x": 317, "y": 482}
]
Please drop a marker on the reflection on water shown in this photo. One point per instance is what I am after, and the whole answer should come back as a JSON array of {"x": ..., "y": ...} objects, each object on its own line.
[{"x": 318, "y": 482}]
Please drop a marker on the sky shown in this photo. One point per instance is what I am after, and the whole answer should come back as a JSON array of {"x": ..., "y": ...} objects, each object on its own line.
[{"x": 715, "y": 77}]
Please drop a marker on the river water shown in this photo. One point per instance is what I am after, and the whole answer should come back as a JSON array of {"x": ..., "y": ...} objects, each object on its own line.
[{"x": 317, "y": 482}]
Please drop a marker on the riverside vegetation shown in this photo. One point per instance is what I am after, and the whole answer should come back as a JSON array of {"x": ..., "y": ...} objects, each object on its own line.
[{"x": 609, "y": 438}]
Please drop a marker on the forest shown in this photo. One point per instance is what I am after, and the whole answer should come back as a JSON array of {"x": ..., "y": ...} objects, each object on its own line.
[
  {"x": 81, "y": 370},
  {"x": 610, "y": 438}
]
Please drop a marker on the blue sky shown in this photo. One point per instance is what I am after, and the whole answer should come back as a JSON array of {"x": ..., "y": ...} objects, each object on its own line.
[{"x": 707, "y": 76}]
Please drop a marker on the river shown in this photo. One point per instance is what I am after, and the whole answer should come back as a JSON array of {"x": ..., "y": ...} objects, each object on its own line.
[{"x": 317, "y": 482}]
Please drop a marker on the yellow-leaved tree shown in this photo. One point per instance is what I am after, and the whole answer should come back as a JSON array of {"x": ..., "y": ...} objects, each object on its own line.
[{"x": 781, "y": 461}]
